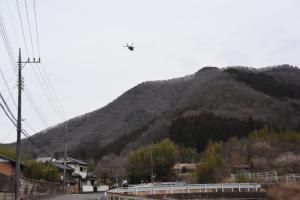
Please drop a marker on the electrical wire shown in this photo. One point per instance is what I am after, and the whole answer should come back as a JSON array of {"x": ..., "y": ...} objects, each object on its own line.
[
  {"x": 29, "y": 138},
  {"x": 44, "y": 82},
  {"x": 7, "y": 115},
  {"x": 55, "y": 108},
  {"x": 7, "y": 107},
  {"x": 54, "y": 93},
  {"x": 7, "y": 135},
  {"x": 45, "y": 78},
  {"x": 7, "y": 44},
  {"x": 35, "y": 108},
  {"x": 28, "y": 22},
  {"x": 8, "y": 89},
  {"x": 23, "y": 131},
  {"x": 20, "y": 19},
  {"x": 36, "y": 28}
]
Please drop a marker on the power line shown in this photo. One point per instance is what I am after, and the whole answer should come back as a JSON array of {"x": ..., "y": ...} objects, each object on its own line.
[
  {"x": 52, "y": 93},
  {"x": 8, "y": 48},
  {"x": 24, "y": 132},
  {"x": 8, "y": 133},
  {"x": 7, "y": 107},
  {"x": 20, "y": 19},
  {"x": 7, "y": 43},
  {"x": 7, "y": 87},
  {"x": 7, "y": 115},
  {"x": 11, "y": 56},
  {"x": 36, "y": 28},
  {"x": 44, "y": 88},
  {"x": 29, "y": 138},
  {"x": 46, "y": 77},
  {"x": 4, "y": 106},
  {"x": 28, "y": 21},
  {"x": 35, "y": 108},
  {"x": 44, "y": 82}
]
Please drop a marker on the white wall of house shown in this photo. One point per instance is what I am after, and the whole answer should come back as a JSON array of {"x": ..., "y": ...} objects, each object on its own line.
[{"x": 79, "y": 169}]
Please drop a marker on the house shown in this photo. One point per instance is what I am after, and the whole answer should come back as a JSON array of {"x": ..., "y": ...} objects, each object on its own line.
[
  {"x": 80, "y": 167},
  {"x": 8, "y": 166},
  {"x": 61, "y": 167}
]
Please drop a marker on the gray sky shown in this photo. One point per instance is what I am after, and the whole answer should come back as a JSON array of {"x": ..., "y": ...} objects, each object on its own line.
[{"x": 81, "y": 46}]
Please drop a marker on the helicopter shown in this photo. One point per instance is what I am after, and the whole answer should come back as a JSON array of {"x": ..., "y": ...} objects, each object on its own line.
[{"x": 130, "y": 47}]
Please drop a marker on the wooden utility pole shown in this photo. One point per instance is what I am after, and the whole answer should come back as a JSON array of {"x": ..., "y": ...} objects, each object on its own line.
[
  {"x": 65, "y": 156},
  {"x": 151, "y": 162},
  {"x": 19, "y": 123}
]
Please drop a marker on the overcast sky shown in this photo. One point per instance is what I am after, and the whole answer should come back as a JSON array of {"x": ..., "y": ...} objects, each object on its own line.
[{"x": 81, "y": 45}]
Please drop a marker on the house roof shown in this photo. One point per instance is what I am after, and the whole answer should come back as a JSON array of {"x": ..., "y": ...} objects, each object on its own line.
[
  {"x": 178, "y": 166},
  {"x": 73, "y": 160},
  {"x": 45, "y": 159},
  {"x": 70, "y": 160},
  {"x": 62, "y": 166},
  {"x": 11, "y": 160}
]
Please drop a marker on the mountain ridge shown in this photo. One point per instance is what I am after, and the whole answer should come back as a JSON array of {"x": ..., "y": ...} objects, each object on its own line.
[{"x": 209, "y": 90}]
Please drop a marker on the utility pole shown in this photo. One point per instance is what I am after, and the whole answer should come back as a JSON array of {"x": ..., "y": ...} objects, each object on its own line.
[
  {"x": 151, "y": 161},
  {"x": 65, "y": 156},
  {"x": 19, "y": 122}
]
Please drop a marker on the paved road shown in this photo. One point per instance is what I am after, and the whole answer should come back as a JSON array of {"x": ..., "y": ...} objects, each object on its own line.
[{"x": 93, "y": 196}]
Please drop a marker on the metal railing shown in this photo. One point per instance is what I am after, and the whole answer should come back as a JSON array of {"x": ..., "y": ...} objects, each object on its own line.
[
  {"x": 188, "y": 188},
  {"x": 292, "y": 178}
]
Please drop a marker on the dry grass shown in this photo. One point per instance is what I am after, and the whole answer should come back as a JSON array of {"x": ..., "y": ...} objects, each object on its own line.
[{"x": 285, "y": 192}]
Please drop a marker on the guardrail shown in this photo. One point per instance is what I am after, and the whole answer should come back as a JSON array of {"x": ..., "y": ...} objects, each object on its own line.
[
  {"x": 189, "y": 188},
  {"x": 292, "y": 178}
]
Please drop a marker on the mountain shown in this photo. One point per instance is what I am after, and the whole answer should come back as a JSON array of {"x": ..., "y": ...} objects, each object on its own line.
[{"x": 150, "y": 110}]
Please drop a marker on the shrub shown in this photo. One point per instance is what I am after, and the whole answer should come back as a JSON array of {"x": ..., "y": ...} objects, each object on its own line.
[
  {"x": 212, "y": 168},
  {"x": 241, "y": 177}
]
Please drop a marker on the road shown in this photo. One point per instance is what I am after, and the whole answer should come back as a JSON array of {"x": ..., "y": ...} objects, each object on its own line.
[{"x": 92, "y": 196}]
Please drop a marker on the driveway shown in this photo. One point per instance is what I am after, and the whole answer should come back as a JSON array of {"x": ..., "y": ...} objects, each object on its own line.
[{"x": 91, "y": 196}]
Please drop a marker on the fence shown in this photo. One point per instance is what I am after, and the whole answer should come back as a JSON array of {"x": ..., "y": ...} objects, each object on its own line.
[
  {"x": 7, "y": 183},
  {"x": 34, "y": 189},
  {"x": 272, "y": 177},
  {"x": 190, "y": 188},
  {"x": 292, "y": 178}
]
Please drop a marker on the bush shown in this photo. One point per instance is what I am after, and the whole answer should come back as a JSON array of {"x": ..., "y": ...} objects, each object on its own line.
[
  {"x": 288, "y": 162},
  {"x": 42, "y": 171},
  {"x": 212, "y": 168},
  {"x": 160, "y": 157},
  {"x": 241, "y": 177}
]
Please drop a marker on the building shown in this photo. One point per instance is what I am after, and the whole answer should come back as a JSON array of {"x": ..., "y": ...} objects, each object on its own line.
[
  {"x": 76, "y": 173},
  {"x": 8, "y": 166},
  {"x": 185, "y": 167},
  {"x": 80, "y": 167},
  {"x": 45, "y": 159},
  {"x": 61, "y": 167}
]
